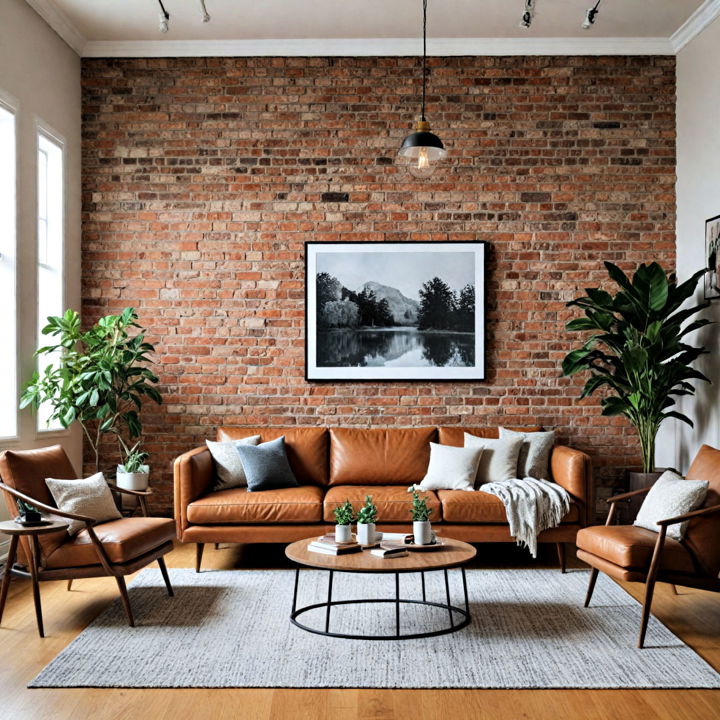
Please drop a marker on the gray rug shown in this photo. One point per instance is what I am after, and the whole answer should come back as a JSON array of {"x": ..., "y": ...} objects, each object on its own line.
[{"x": 231, "y": 629}]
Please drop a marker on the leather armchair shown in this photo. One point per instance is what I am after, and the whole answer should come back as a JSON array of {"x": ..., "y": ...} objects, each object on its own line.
[
  {"x": 115, "y": 548},
  {"x": 630, "y": 553}
]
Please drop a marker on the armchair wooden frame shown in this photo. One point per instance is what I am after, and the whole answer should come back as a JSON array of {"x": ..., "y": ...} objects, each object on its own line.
[
  {"x": 105, "y": 566},
  {"x": 654, "y": 573}
]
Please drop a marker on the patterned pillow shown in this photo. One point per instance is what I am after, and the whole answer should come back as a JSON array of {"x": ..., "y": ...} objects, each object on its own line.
[
  {"x": 499, "y": 459},
  {"x": 534, "y": 459}
]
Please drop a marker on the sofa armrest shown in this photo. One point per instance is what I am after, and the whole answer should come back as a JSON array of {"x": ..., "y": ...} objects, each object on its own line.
[
  {"x": 572, "y": 470},
  {"x": 193, "y": 477}
]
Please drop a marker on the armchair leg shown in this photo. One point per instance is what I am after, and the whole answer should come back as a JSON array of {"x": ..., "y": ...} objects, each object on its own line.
[
  {"x": 166, "y": 577},
  {"x": 69, "y": 585},
  {"x": 591, "y": 586},
  {"x": 561, "y": 555},
  {"x": 650, "y": 583},
  {"x": 120, "y": 580},
  {"x": 198, "y": 556}
]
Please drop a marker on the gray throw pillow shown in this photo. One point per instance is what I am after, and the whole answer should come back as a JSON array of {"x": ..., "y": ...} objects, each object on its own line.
[
  {"x": 670, "y": 496},
  {"x": 228, "y": 465},
  {"x": 266, "y": 466},
  {"x": 499, "y": 459},
  {"x": 534, "y": 459}
]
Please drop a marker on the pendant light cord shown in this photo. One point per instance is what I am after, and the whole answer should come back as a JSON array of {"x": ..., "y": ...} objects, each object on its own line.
[{"x": 422, "y": 113}]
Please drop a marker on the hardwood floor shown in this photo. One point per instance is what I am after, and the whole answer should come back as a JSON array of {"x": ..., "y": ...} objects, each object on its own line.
[{"x": 694, "y": 615}]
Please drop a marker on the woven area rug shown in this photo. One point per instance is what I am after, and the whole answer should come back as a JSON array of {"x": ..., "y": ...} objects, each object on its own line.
[{"x": 231, "y": 629}]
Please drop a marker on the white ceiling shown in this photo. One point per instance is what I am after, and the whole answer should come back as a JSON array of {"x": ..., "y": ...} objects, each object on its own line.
[{"x": 130, "y": 27}]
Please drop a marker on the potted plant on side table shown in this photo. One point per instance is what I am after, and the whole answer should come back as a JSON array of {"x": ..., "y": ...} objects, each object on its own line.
[
  {"x": 366, "y": 518},
  {"x": 637, "y": 351},
  {"x": 343, "y": 522},
  {"x": 422, "y": 531}
]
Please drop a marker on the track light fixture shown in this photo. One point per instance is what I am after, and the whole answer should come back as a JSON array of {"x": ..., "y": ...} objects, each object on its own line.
[
  {"x": 528, "y": 14},
  {"x": 165, "y": 16},
  {"x": 591, "y": 15}
]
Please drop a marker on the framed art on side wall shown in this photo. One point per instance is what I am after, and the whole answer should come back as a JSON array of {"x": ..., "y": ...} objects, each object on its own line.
[
  {"x": 712, "y": 258},
  {"x": 410, "y": 311}
]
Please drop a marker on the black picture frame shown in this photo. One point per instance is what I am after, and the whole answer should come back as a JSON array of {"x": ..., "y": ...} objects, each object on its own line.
[
  {"x": 382, "y": 312},
  {"x": 711, "y": 282}
]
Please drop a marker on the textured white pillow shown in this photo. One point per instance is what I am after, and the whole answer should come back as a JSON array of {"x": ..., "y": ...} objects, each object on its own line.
[
  {"x": 451, "y": 468},
  {"x": 499, "y": 460},
  {"x": 90, "y": 497},
  {"x": 534, "y": 460},
  {"x": 228, "y": 465},
  {"x": 670, "y": 496}
]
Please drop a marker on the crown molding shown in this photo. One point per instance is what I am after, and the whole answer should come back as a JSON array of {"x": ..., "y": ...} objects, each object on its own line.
[
  {"x": 695, "y": 24},
  {"x": 358, "y": 47},
  {"x": 60, "y": 23}
]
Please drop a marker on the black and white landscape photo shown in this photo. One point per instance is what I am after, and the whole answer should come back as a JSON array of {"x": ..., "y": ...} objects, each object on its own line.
[{"x": 395, "y": 311}]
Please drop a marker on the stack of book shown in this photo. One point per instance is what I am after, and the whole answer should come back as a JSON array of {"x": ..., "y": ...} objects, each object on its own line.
[
  {"x": 390, "y": 550},
  {"x": 329, "y": 546}
]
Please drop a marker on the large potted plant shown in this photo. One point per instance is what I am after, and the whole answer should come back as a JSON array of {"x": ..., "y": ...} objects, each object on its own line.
[
  {"x": 98, "y": 377},
  {"x": 637, "y": 350}
]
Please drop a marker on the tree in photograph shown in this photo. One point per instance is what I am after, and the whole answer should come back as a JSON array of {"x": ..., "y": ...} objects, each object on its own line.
[
  {"x": 368, "y": 304},
  {"x": 385, "y": 316},
  {"x": 328, "y": 289},
  {"x": 340, "y": 314},
  {"x": 437, "y": 306},
  {"x": 465, "y": 314}
]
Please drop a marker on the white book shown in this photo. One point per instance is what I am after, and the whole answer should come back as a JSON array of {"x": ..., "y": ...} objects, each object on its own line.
[{"x": 387, "y": 554}]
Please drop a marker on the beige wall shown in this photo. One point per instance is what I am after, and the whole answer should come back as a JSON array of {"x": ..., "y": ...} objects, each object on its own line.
[
  {"x": 40, "y": 75},
  {"x": 698, "y": 198}
]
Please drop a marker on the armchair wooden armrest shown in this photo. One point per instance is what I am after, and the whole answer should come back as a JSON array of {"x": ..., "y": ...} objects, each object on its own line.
[
  {"x": 627, "y": 495},
  {"x": 46, "y": 508},
  {"x": 689, "y": 515}
]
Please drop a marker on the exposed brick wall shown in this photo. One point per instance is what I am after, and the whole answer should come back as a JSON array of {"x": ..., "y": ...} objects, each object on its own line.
[{"x": 203, "y": 177}]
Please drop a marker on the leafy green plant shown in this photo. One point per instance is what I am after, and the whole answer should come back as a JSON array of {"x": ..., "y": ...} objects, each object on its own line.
[
  {"x": 344, "y": 514},
  {"x": 636, "y": 350},
  {"x": 135, "y": 458},
  {"x": 25, "y": 508},
  {"x": 420, "y": 511},
  {"x": 98, "y": 377},
  {"x": 367, "y": 514}
]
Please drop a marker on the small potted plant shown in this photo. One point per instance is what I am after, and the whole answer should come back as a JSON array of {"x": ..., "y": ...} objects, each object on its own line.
[
  {"x": 366, "y": 517},
  {"x": 134, "y": 473},
  {"x": 343, "y": 521},
  {"x": 422, "y": 532},
  {"x": 29, "y": 514}
]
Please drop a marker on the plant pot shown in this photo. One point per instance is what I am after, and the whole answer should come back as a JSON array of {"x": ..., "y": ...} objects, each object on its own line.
[
  {"x": 636, "y": 481},
  {"x": 135, "y": 480},
  {"x": 31, "y": 517},
  {"x": 422, "y": 532},
  {"x": 343, "y": 533},
  {"x": 366, "y": 533}
]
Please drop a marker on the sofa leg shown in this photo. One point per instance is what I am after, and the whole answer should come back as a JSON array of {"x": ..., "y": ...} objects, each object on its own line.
[
  {"x": 561, "y": 555},
  {"x": 591, "y": 586},
  {"x": 198, "y": 556},
  {"x": 217, "y": 546}
]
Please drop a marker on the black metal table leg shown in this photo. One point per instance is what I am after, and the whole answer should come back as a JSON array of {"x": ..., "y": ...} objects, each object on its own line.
[
  {"x": 329, "y": 603},
  {"x": 447, "y": 593},
  {"x": 464, "y": 579},
  {"x": 297, "y": 578},
  {"x": 422, "y": 579},
  {"x": 397, "y": 604}
]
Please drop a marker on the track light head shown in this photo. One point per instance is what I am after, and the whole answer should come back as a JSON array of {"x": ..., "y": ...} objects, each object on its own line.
[{"x": 590, "y": 16}]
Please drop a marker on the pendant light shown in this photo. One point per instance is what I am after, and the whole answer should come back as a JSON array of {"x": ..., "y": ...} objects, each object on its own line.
[{"x": 422, "y": 150}]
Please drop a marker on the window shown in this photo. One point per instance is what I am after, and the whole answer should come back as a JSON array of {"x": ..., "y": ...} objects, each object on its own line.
[
  {"x": 50, "y": 248},
  {"x": 8, "y": 357}
]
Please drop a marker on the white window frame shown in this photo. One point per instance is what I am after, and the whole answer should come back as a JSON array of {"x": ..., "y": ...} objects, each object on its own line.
[
  {"x": 10, "y": 104},
  {"x": 43, "y": 128}
]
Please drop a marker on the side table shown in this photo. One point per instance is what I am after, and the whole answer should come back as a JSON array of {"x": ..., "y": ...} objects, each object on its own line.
[{"x": 14, "y": 530}]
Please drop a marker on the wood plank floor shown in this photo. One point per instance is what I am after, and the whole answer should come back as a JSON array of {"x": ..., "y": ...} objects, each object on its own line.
[{"x": 693, "y": 615}]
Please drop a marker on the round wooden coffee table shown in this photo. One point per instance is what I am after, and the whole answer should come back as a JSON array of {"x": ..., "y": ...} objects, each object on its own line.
[{"x": 453, "y": 554}]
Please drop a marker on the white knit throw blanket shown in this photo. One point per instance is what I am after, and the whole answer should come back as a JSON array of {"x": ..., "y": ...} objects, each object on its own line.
[{"x": 531, "y": 506}]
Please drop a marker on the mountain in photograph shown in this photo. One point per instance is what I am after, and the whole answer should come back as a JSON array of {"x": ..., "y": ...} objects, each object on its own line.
[{"x": 404, "y": 310}]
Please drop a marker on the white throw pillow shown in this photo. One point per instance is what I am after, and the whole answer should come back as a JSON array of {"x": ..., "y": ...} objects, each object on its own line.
[
  {"x": 90, "y": 497},
  {"x": 534, "y": 459},
  {"x": 499, "y": 459},
  {"x": 670, "y": 496},
  {"x": 451, "y": 468},
  {"x": 228, "y": 465}
]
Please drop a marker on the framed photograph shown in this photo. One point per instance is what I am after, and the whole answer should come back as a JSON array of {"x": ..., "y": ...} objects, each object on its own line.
[
  {"x": 395, "y": 311},
  {"x": 712, "y": 258}
]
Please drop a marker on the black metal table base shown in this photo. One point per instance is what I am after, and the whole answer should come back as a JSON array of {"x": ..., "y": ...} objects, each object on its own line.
[{"x": 458, "y": 617}]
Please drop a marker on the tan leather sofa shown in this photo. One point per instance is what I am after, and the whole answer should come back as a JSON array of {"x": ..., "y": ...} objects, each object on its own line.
[{"x": 336, "y": 464}]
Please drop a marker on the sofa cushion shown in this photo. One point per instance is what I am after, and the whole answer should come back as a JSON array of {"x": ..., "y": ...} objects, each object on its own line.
[
  {"x": 392, "y": 501},
  {"x": 123, "y": 540},
  {"x": 632, "y": 547},
  {"x": 307, "y": 448},
  {"x": 285, "y": 505},
  {"x": 455, "y": 434},
  {"x": 479, "y": 507},
  {"x": 379, "y": 456}
]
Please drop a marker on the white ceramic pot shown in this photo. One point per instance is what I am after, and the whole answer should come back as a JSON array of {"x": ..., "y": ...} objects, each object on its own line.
[
  {"x": 135, "y": 480},
  {"x": 366, "y": 533},
  {"x": 422, "y": 532},
  {"x": 343, "y": 533}
]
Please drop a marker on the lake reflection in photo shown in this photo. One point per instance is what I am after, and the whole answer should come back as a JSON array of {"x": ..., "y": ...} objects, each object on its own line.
[{"x": 395, "y": 347}]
